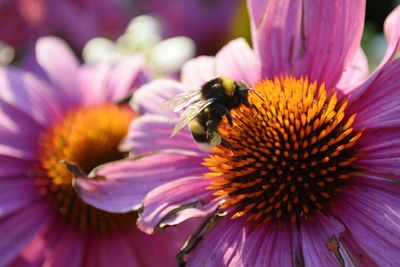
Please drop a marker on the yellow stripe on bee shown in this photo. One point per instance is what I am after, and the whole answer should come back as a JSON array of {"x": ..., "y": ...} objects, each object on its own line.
[
  {"x": 196, "y": 127},
  {"x": 229, "y": 85}
]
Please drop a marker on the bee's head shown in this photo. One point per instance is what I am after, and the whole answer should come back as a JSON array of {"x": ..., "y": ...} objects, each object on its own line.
[{"x": 243, "y": 90}]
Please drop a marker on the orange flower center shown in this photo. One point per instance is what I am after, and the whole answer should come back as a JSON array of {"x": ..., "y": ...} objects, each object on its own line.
[
  {"x": 288, "y": 155},
  {"x": 88, "y": 137}
]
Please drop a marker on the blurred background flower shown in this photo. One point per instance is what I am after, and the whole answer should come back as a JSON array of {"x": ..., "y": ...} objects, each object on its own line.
[
  {"x": 143, "y": 36},
  {"x": 63, "y": 111},
  {"x": 209, "y": 23},
  {"x": 76, "y": 21}
]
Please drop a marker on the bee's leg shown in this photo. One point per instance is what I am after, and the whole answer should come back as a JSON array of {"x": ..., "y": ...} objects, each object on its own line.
[
  {"x": 224, "y": 112},
  {"x": 211, "y": 125}
]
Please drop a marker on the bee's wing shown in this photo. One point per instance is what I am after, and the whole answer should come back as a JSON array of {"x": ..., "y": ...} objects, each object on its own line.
[
  {"x": 181, "y": 100},
  {"x": 190, "y": 113}
]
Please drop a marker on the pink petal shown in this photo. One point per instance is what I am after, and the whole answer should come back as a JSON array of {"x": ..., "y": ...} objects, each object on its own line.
[
  {"x": 35, "y": 252},
  {"x": 16, "y": 193},
  {"x": 358, "y": 256},
  {"x": 61, "y": 67},
  {"x": 380, "y": 150},
  {"x": 219, "y": 245},
  {"x": 18, "y": 143},
  {"x": 371, "y": 214},
  {"x": 150, "y": 97},
  {"x": 13, "y": 168},
  {"x": 237, "y": 60},
  {"x": 164, "y": 244},
  {"x": 135, "y": 248},
  {"x": 30, "y": 97},
  {"x": 392, "y": 34},
  {"x": 19, "y": 228},
  {"x": 315, "y": 236},
  {"x": 121, "y": 186},
  {"x": 378, "y": 105},
  {"x": 68, "y": 251},
  {"x": 152, "y": 133},
  {"x": 197, "y": 71},
  {"x": 127, "y": 76},
  {"x": 354, "y": 73},
  {"x": 93, "y": 78},
  {"x": 236, "y": 243},
  {"x": 111, "y": 250},
  {"x": 166, "y": 198},
  {"x": 317, "y": 39},
  {"x": 107, "y": 82}
]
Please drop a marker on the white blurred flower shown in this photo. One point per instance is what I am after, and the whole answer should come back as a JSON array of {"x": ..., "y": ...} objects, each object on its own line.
[
  {"x": 6, "y": 54},
  {"x": 143, "y": 36}
]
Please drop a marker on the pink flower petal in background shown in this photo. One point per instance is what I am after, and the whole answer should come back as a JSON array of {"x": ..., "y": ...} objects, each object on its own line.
[
  {"x": 149, "y": 100},
  {"x": 142, "y": 142},
  {"x": 356, "y": 72},
  {"x": 236, "y": 59},
  {"x": 197, "y": 71}
]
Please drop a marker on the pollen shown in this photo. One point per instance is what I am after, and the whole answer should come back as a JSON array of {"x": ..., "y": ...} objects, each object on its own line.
[
  {"x": 88, "y": 137},
  {"x": 287, "y": 155}
]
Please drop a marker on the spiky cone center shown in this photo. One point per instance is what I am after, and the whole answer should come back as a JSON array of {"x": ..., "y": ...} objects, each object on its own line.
[
  {"x": 87, "y": 137},
  {"x": 287, "y": 156}
]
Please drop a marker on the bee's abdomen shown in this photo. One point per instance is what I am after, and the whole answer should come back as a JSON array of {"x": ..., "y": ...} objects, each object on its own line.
[
  {"x": 200, "y": 134},
  {"x": 198, "y": 130}
]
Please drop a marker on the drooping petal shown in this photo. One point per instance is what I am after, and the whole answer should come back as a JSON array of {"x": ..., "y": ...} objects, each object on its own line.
[
  {"x": 236, "y": 60},
  {"x": 371, "y": 213},
  {"x": 197, "y": 71},
  {"x": 314, "y": 38},
  {"x": 19, "y": 228},
  {"x": 218, "y": 246},
  {"x": 150, "y": 97},
  {"x": 231, "y": 244},
  {"x": 355, "y": 72},
  {"x": 378, "y": 105},
  {"x": 172, "y": 196},
  {"x": 380, "y": 150},
  {"x": 121, "y": 186},
  {"x": 152, "y": 133},
  {"x": 61, "y": 67},
  {"x": 28, "y": 95},
  {"x": 316, "y": 236},
  {"x": 168, "y": 243}
]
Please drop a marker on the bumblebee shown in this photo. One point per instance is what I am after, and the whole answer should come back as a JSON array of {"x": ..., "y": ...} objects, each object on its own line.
[{"x": 206, "y": 107}]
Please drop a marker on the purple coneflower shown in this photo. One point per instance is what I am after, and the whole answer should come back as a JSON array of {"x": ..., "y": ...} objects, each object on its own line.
[
  {"x": 311, "y": 173},
  {"x": 68, "y": 112}
]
